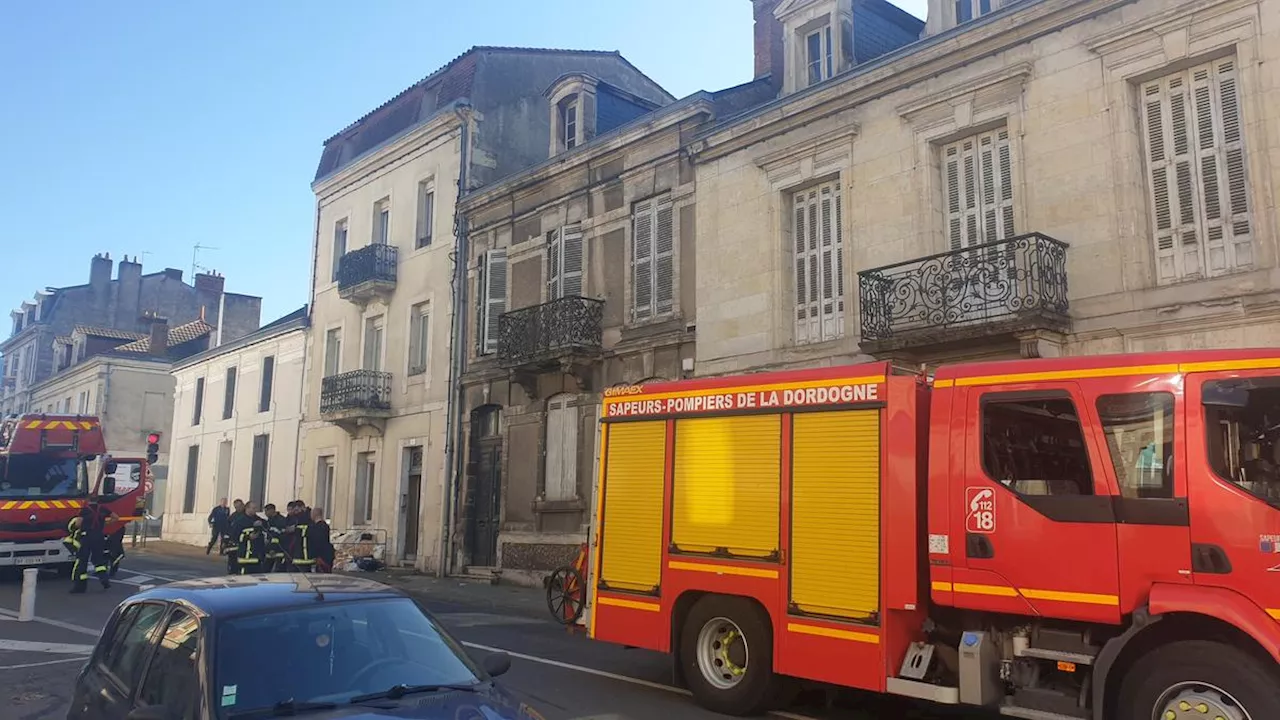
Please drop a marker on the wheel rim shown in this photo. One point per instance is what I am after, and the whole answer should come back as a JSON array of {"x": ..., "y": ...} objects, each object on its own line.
[
  {"x": 722, "y": 653},
  {"x": 1201, "y": 701}
]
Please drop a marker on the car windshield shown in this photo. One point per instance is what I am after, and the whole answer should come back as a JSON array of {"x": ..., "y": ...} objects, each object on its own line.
[
  {"x": 332, "y": 652},
  {"x": 41, "y": 476}
]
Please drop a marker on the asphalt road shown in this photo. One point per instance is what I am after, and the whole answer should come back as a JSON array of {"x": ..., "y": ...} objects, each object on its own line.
[{"x": 563, "y": 675}]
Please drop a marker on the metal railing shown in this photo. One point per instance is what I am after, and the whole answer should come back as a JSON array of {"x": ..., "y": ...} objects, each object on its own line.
[
  {"x": 356, "y": 390},
  {"x": 371, "y": 263},
  {"x": 549, "y": 330},
  {"x": 1006, "y": 282}
]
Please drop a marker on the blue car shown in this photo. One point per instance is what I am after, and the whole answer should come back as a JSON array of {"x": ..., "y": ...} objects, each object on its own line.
[{"x": 261, "y": 646}]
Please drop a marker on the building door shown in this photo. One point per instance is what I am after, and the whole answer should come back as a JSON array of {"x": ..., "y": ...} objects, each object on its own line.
[
  {"x": 485, "y": 504},
  {"x": 411, "y": 505}
]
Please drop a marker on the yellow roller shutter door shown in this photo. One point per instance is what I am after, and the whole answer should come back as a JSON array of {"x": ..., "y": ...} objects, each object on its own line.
[
  {"x": 727, "y": 483},
  {"x": 835, "y": 511},
  {"x": 631, "y": 539}
]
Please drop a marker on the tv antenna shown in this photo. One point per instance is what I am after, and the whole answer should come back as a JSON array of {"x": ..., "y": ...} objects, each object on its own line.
[{"x": 195, "y": 253}]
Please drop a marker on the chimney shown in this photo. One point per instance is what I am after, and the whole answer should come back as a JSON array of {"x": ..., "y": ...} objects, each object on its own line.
[
  {"x": 159, "y": 343},
  {"x": 210, "y": 283},
  {"x": 129, "y": 292},
  {"x": 768, "y": 43},
  {"x": 173, "y": 274},
  {"x": 100, "y": 271}
]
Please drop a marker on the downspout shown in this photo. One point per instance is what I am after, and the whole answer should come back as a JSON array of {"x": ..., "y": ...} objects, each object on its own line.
[
  {"x": 458, "y": 345},
  {"x": 307, "y": 338}
]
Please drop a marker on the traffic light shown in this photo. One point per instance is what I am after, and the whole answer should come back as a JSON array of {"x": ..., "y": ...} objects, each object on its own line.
[{"x": 153, "y": 448}]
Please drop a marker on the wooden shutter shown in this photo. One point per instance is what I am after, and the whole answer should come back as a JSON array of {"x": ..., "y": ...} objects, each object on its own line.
[
  {"x": 561, "y": 480},
  {"x": 268, "y": 375},
  {"x": 193, "y": 469},
  {"x": 553, "y": 264},
  {"x": 663, "y": 261},
  {"x": 571, "y": 264},
  {"x": 819, "y": 263},
  {"x": 258, "y": 470},
  {"x": 1196, "y": 165},
  {"x": 495, "y": 296},
  {"x": 977, "y": 176},
  {"x": 642, "y": 260}
]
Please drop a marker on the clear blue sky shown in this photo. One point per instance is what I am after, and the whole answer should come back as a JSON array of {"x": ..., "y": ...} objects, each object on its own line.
[{"x": 151, "y": 126}]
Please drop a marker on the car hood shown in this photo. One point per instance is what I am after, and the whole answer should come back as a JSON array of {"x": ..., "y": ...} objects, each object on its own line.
[{"x": 491, "y": 705}]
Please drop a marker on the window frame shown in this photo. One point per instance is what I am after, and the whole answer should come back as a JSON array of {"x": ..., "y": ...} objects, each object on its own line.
[
  {"x": 419, "y": 345},
  {"x": 1168, "y": 483},
  {"x": 339, "y": 248},
  {"x": 1201, "y": 410},
  {"x": 172, "y": 610},
  {"x": 381, "y": 222},
  {"x": 101, "y": 661},
  {"x": 805, "y": 208},
  {"x": 825, "y": 61},
  {"x": 426, "y": 214},
  {"x": 649, "y": 213},
  {"x": 230, "y": 378},
  {"x": 267, "y": 387}
]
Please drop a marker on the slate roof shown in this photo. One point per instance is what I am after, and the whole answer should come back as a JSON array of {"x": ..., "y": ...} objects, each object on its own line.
[{"x": 177, "y": 336}]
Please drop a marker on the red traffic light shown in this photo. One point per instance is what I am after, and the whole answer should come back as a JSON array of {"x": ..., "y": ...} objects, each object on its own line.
[{"x": 153, "y": 439}]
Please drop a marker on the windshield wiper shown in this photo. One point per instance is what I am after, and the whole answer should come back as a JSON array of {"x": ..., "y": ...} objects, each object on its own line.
[
  {"x": 285, "y": 708},
  {"x": 395, "y": 692}
]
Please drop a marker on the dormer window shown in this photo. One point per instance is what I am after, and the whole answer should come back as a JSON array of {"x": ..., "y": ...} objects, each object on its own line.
[
  {"x": 818, "y": 54},
  {"x": 967, "y": 10},
  {"x": 569, "y": 122}
]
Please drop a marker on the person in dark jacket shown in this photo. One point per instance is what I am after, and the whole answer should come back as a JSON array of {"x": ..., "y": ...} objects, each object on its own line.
[
  {"x": 91, "y": 536},
  {"x": 251, "y": 542},
  {"x": 275, "y": 527},
  {"x": 219, "y": 517},
  {"x": 321, "y": 546},
  {"x": 240, "y": 520}
]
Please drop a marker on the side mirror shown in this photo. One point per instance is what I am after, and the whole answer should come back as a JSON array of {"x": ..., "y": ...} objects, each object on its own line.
[
  {"x": 496, "y": 664},
  {"x": 148, "y": 712},
  {"x": 108, "y": 486}
]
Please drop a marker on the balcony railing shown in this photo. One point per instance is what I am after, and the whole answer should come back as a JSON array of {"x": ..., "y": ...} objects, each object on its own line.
[
  {"x": 367, "y": 272},
  {"x": 355, "y": 391},
  {"x": 999, "y": 287},
  {"x": 541, "y": 333}
]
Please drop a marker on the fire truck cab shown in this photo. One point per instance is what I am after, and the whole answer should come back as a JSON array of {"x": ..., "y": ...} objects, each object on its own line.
[{"x": 1094, "y": 537}]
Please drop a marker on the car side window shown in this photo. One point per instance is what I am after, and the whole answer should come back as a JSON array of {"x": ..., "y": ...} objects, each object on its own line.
[
  {"x": 1035, "y": 446},
  {"x": 172, "y": 679},
  {"x": 131, "y": 642}
]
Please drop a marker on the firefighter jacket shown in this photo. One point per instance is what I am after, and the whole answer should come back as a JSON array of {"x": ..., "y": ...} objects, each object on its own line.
[
  {"x": 303, "y": 560},
  {"x": 275, "y": 527},
  {"x": 72, "y": 540},
  {"x": 252, "y": 547}
]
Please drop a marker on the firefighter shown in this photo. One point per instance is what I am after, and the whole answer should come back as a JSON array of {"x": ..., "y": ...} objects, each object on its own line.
[
  {"x": 320, "y": 547},
  {"x": 115, "y": 550},
  {"x": 240, "y": 520},
  {"x": 90, "y": 534},
  {"x": 253, "y": 549},
  {"x": 303, "y": 560},
  {"x": 275, "y": 526}
]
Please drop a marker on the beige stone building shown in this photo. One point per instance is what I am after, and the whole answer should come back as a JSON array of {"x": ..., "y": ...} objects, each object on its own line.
[
  {"x": 237, "y": 414},
  {"x": 377, "y": 395},
  {"x": 581, "y": 276},
  {"x": 1029, "y": 178}
]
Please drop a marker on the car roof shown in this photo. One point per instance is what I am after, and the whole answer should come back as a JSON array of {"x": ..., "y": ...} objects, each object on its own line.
[{"x": 240, "y": 594}]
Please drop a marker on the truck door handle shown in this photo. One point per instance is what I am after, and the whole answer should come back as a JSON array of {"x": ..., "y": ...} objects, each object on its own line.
[
  {"x": 1210, "y": 559},
  {"x": 978, "y": 546}
]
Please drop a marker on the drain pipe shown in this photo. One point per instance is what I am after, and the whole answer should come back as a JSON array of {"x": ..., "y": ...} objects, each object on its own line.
[{"x": 458, "y": 346}]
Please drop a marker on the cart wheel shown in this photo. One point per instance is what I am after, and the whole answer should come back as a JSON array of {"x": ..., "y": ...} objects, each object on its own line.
[{"x": 566, "y": 595}]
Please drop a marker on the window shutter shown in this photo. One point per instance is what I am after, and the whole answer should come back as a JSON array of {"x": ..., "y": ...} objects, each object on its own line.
[
  {"x": 641, "y": 261},
  {"x": 554, "y": 284},
  {"x": 664, "y": 259},
  {"x": 495, "y": 303},
  {"x": 819, "y": 247},
  {"x": 571, "y": 261}
]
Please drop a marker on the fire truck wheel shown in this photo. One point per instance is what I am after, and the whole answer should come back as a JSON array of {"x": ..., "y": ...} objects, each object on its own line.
[
  {"x": 1199, "y": 679},
  {"x": 726, "y": 647}
]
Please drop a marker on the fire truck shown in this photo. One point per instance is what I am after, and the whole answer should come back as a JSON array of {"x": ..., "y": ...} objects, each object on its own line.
[
  {"x": 45, "y": 481},
  {"x": 1086, "y": 537}
]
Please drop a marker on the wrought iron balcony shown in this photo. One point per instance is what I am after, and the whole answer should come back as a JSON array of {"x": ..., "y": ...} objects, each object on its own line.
[
  {"x": 1003, "y": 287},
  {"x": 559, "y": 330},
  {"x": 356, "y": 398},
  {"x": 368, "y": 273}
]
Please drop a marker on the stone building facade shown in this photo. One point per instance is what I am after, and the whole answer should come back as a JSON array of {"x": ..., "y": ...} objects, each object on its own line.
[
  {"x": 236, "y": 419},
  {"x": 581, "y": 276},
  {"x": 1029, "y": 178},
  {"x": 44, "y": 339},
  {"x": 377, "y": 394}
]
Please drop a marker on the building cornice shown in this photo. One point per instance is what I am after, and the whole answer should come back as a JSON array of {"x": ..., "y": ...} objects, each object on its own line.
[
  {"x": 1178, "y": 17},
  {"x": 914, "y": 64},
  {"x": 441, "y": 123},
  {"x": 275, "y": 334}
]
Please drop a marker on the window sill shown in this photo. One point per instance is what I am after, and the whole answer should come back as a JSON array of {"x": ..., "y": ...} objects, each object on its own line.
[{"x": 559, "y": 506}]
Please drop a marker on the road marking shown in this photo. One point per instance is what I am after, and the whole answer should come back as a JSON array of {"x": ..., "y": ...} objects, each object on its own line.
[
  {"x": 57, "y": 623},
  {"x": 50, "y": 648},
  {"x": 42, "y": 664},
  {"x": 474, "y": 619},
  {"x": 614, "y": 676}
]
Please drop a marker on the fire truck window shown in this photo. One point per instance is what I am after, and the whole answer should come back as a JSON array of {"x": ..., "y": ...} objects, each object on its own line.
[
  {"x": 1242, "y": 417},
  {"x": 1035, "y": 447},
  {"x": 1139, "y": 431},
  {"x": 42, "y": 475}
]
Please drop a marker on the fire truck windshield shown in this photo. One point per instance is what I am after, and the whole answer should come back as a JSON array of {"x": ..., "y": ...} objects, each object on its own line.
[{"x": 30, "y": 476}]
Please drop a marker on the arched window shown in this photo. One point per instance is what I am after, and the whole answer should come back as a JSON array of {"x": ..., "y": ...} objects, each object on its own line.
[{"x": 561, "y": 478}]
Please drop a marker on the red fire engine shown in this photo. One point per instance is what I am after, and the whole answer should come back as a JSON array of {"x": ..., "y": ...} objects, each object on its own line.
[
  {"x": 44, "y": 482},
  {"x": 1090, "y": 537}
]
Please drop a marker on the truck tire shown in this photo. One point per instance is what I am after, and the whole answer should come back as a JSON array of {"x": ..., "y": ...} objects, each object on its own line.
[
  {"x": 1213, "y": 679},
  {"x": 726, "y": 649}
]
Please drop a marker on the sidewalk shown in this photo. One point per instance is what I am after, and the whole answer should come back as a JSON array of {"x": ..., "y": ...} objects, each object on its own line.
[{"x": 473, "y": 595}]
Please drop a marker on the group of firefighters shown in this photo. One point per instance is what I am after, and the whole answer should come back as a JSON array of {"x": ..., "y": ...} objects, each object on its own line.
[{"x": 297, "y": 541}]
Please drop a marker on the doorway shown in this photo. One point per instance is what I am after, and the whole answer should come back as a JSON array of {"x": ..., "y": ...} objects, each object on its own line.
[
  {"x": 485, "y": 486},
  {"x": 411, "y": 505}
]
